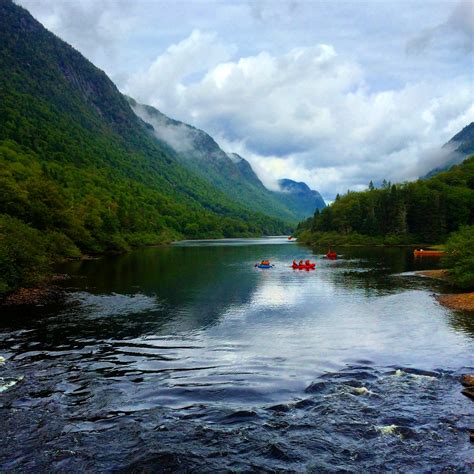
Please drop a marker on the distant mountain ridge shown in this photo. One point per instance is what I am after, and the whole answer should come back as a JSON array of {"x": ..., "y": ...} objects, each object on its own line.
[
  {"x": 229, "y": 172},
  {"x": 459, "y": 148},
  {"x": 299, "y": 194}
]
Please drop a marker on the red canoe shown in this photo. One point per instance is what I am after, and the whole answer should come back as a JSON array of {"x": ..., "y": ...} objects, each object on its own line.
[
  {"x": 428, "y": 253},
  {"x": 311, "y": 266}
]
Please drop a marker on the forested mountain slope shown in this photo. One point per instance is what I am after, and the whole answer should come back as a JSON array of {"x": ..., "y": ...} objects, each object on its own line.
[
  {"x": 299, "y": 197},
  {"x": 229, "y": 172},
  {"x": 80, "y": 169}
]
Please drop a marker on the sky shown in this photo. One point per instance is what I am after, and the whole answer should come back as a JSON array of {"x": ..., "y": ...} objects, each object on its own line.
[{"x": 332, "y": 93}]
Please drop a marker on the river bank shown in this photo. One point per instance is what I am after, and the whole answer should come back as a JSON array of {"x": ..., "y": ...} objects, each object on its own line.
[
  {"x": 458, "y": 302},
  {"x": 353, "y": 239},
  {"x": 46, "y": 292},
  {"x": 455, "y": 301}
]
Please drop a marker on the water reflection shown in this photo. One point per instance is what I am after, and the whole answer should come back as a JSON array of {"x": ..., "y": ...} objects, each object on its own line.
[{"x": 160, "y": 342}]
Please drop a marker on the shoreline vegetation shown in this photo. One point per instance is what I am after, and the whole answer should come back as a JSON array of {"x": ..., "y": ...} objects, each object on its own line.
[{"x": 354, "y": 239}]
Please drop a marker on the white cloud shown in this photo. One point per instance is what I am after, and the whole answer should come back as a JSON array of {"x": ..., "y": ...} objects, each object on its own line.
[
  {"x": 86, "y": 22},
  {"x": 163, "y": 83},
  {"x": 307, "y": 114}
]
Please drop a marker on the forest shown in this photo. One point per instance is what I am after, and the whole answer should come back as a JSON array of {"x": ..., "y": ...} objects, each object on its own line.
[{"x": 426, "y": 211}]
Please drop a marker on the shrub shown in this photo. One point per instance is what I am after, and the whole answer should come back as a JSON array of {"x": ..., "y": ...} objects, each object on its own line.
[
  {"x": 23, "y": 255},
  {"x": 459, "y": 257}
]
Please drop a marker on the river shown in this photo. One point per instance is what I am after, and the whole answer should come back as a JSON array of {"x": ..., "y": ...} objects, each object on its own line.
[{"x": 188, "y": 358}]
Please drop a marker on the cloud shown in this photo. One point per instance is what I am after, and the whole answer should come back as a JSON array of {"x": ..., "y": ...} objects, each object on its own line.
[
  {"x": 178, "y": 136},
  {"x": 457, "y": 32},
  {"x": 164, "y": 81},
  {"x": 307, "y": 114},
  {"x": 95, "y": 27}
]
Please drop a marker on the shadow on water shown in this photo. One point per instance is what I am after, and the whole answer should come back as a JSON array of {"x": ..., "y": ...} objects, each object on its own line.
[{"x": 188, "y": 358}]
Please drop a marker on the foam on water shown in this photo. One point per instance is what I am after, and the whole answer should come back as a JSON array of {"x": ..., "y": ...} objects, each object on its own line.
[
  {"x": 363, "y": 391},
  {"x": 413, "y": 376},
  {"x": 7, "y": 383},
  {"x": 387, "y": 430}
]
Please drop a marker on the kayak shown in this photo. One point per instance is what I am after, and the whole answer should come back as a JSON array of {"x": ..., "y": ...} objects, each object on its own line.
[
  {"x": 428, "y": 253},
  {"x": 311, "y": 266},
  {"x": 331, "y": 255},
  {"x": 263, "y": 266}
]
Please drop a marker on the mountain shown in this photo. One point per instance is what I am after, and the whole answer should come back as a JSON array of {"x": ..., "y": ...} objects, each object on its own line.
[
  {"x": 457, "y": 150},
  {"x": 245, "y": 169},
  {"x": 464, "y": 140},
  {"x": 229, "y": 172},
  {"x": 298, "y": 195},
  {"x": 79, "y": 171}
]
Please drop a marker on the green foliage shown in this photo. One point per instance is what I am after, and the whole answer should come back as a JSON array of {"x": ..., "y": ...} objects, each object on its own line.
[
  {"x": 353, "y": 238},
  {"x": 460, "y": 257},
  {"x": 422, "y": 211},
  {"x": 23, "y": 254}
]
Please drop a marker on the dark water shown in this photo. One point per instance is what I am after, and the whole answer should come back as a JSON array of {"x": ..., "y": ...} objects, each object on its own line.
[{"x": 188, "y": 358}]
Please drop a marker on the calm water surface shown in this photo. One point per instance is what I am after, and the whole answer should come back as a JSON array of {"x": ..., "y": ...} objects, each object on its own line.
[{"x": 187, "y": 358}]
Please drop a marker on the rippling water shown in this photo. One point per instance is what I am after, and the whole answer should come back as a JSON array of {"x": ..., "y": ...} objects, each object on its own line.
[{"x": 188, "y": 358}]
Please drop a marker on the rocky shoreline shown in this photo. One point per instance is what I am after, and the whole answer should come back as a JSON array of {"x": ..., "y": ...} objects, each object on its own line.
[
  {"x": 455, "y": 301},
  {"x": 459, "y": 302},
  {"x": 45, "y": 293}
]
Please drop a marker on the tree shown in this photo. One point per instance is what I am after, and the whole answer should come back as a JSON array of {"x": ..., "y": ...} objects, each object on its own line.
[{"x": 460, "y": 257}]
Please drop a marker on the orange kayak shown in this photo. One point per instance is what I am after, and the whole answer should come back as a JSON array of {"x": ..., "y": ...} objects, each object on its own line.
[{"x": 428, "y": 253}]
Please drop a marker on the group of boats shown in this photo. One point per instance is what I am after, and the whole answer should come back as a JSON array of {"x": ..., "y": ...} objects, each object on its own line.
[
  {"x": 301, "y": 265},
  {"x": 331, "y": 255}
]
